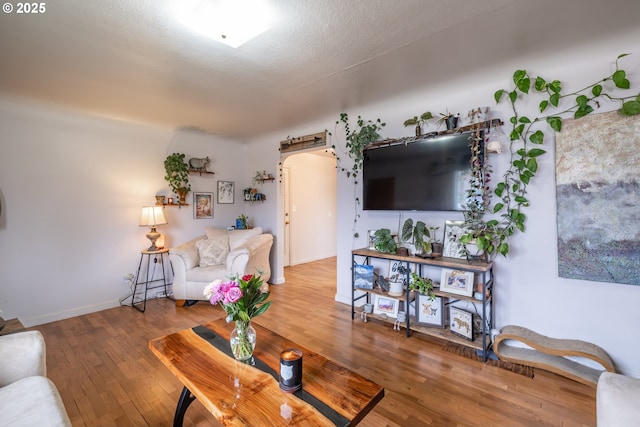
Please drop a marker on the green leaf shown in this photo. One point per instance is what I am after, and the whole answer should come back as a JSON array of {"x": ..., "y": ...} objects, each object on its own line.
[
  {"x": 513, "y": 120},
  {"x": 518, "y": 75},
  {"x": 554, "y": 99},
  {"x": 524, "y": 85},
  {"x": 582, "y": 111},
  {"x": 630, "y": 108},
  {"x": 513, "y": 95},
  {"x": 525, "y": 178},
  {"x": 520, "y": 199},
  {"x": 499, "y": 189},
  {"x": 582, "y": 100},
  {"x": 407, "y": 230},
  {"x": 498, "y": 95},
  {"x": 503, "y": 248},
  {"x": 426, "y": 115},
  {"x": 492, "y": 223},
  {"x": 619, "y": 78},
  {"x": 532, "y": 165},
  {"x": 555, "y": 86},
  {"x": 535, "y": 152},
  {"x": 498, "y": 207},
  {"x": 537, "y": 137},
  {"x": 543, "y": 105},
  {"x": 540, "y": 84},
  {"x": 555, "y": 123},
  {"x": 520, "y": 129},
  {"x": 514, "y": 135},
  {"x": 525, "y": 119},
  {"x": 519, "y": 164},
  {"x": 596, "y": 90},
  {"x": 521, "y": 152}
]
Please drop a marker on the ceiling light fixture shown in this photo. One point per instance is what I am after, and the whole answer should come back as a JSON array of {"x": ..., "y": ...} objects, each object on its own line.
[{"x": 232, "y": 22}]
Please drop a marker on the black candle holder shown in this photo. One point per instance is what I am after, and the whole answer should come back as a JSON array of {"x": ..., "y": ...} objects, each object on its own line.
[{"x": 291, "y": 370}]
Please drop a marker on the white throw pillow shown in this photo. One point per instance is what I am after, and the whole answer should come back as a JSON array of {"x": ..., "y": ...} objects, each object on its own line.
[{"x": 213, "y": 251}]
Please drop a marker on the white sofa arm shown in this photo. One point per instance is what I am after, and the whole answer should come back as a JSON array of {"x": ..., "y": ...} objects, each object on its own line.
[
  {"x": 237, "y": 261},
  {"x": 22, "y": 355},
  {"x": 617, "y": 398},
  {"x": 259, "y": 248}
]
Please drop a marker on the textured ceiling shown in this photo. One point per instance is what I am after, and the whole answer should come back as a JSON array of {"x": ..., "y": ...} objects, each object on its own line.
[{"x": 131, "y": 59}]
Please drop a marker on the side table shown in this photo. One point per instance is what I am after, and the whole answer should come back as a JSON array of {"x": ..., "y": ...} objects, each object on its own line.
[{"x": 159, "y": 255}]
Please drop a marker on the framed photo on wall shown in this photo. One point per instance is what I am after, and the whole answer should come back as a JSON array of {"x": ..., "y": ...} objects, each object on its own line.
[
  {"x": 385, "y": 305},
  {"x": 202, "y": 205},
  {"x": 429, "y": 312},
  {"x": 461, "y": 322},
  {"x": 457, "y": 282},
  {"x": 225, "y": 192}
]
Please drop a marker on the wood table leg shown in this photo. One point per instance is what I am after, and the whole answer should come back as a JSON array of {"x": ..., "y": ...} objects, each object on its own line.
[{"x": 183, "y": 403}]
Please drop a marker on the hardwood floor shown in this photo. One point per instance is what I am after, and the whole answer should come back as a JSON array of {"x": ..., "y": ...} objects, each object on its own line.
[{"x": 107, "y": 376}]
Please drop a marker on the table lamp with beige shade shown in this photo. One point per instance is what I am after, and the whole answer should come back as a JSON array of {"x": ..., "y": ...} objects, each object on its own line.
[{"x": 152, "y": 216}]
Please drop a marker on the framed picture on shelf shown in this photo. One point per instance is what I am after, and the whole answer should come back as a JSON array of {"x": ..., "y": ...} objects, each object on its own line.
[
  {"x": 457, "y": 282},
  {"x": 386, "y": 305},
  {"x": 363, "y": 276},
  {"x": 461, "y": 322},
  {"x": 225, "y": 192},
  {"x": 428, "y": 312},
  {"x": 202, "y": 205},
  {"x": 452, "y": 231}
]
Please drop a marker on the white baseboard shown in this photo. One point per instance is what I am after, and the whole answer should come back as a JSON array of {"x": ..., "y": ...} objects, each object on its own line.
[{"x": 60, "y": 315}]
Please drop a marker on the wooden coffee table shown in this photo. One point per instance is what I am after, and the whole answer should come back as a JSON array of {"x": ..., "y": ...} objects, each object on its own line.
[{"x": 240, "y": 394}]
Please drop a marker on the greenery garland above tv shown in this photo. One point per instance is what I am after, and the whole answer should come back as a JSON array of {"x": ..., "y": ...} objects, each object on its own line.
[{"x": 492, "y": 236}]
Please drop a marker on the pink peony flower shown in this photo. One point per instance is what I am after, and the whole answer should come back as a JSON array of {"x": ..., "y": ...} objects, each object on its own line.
[{"x": 232, "y": 295}]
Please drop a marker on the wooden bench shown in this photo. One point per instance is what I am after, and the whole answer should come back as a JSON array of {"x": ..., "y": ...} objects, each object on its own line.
[{"x": 550, "y": 354}]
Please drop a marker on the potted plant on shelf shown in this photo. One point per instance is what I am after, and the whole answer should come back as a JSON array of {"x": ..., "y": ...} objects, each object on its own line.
[
  {"x": 416, "y": 234},
  {"x": 385, "y": 242},
  {"x": 449, "y": 119},
  {"x": 241, "y": 222},
  {"x": 423, "y": 285},
  {"x": 436, "y": 245},
  {"x": 177, "y": 175},
  {"x": 418, "y": 122}
]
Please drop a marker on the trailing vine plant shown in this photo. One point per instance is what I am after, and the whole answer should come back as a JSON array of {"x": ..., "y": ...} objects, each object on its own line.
[
  {"x": 357, "y": 139},
  {"x": 526, "y": 141}
]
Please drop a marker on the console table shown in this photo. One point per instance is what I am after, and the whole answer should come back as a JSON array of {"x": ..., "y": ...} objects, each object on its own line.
[{"x": 483, "y": 269}]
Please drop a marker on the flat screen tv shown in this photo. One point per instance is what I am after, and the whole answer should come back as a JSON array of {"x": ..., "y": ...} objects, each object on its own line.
[{"x": 429, "y": 174}]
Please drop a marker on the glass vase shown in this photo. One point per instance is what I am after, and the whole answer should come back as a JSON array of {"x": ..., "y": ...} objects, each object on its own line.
[{"x": 243, "y": 340}]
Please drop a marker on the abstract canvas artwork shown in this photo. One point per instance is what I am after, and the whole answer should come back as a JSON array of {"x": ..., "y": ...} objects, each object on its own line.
[{"x": 598, "y": 198}]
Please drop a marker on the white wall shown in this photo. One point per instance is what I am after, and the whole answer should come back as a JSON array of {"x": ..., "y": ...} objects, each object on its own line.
[
  {"x": 528, "y": 290},
  {"x": 71, "y": 189}
]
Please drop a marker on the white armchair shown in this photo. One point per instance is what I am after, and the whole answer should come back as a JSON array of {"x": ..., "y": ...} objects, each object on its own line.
[
  {"x": 219, "y": 254},
  {"x": 27, "y": 397}
]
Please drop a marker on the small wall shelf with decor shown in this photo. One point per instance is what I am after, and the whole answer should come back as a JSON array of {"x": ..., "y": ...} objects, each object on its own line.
[
  {"x": 200, "y": 172},
  {"x": 448, "y": 296}
]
